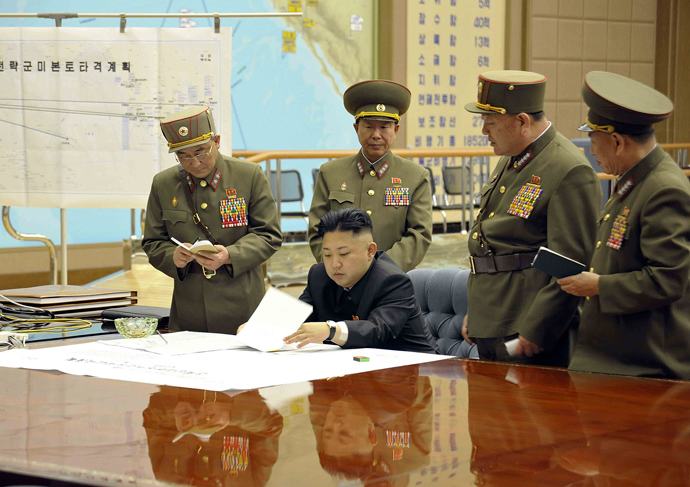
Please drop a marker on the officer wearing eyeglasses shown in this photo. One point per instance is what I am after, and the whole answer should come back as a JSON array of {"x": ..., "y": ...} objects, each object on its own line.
[{"x": 209, "y": 196}]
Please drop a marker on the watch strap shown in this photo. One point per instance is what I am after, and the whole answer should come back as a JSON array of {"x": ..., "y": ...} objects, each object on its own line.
[{"x": 331, "y": 333}]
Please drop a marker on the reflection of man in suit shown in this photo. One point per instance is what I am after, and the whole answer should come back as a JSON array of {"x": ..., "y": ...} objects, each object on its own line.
[
  {"x": 374, "y": 426},
  {"x": 197, "y": 437},
  {"x": 361, "y": 298}
]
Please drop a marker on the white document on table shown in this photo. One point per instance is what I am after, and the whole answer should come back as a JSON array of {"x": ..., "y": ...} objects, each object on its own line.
[
  {"x": 180, "y": 343},
  {"x": 277, "y": 316},
  {"x": 220, "y": 370}
]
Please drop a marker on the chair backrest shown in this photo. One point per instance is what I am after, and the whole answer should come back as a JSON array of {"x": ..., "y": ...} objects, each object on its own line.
[
  {"x": 290, "y": 185},
  {"x": 314, "y": 174},
  {"x": 455, "y": 178},
  {"x": 433, "y": 184},
  {"x": 442, "y": 295},
  {"x": 585, "y": 143}
]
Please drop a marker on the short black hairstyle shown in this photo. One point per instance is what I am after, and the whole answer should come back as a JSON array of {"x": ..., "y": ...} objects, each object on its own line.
[
  {"x": 641, "y": 138},
  {"x": 345, "y": 220},
  {"x": 536, "y": 116}
]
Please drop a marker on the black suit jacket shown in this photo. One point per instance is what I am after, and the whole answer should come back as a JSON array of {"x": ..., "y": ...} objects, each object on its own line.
[{"x": 380, "y": 311}]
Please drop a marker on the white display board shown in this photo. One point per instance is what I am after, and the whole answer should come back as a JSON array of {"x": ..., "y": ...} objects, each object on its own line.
[{"x": 80, "y": 109}]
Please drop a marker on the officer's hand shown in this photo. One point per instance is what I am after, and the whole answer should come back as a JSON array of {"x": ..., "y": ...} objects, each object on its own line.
[
  {"x": 213, "y": 414},
  {"x": 465, "y": 333},
  {"x": 582, "y": 284},
  {"x": 527, "y": 348},
  {"x": 213, "y": 261},
  {"x": 239, "y": 328},
  {"x": 309, "y": 333},
  {"x": 185, "y": 416},
  {"x": 182, "y": 257}
]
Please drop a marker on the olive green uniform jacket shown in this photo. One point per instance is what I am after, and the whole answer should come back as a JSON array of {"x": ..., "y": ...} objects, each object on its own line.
[
  {"x": 639, "y": 324},
  {"x": 563, "y": 218},
  {"x": 402, "y": 230},
  {"x": 225, "y": 301}
]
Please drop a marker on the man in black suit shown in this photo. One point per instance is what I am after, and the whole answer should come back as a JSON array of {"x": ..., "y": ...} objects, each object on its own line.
[{"x": 361, "y": 298}]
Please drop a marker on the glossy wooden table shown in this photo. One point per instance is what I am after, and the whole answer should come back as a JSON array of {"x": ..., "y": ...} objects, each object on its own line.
[{"x": 452, "y": 423}]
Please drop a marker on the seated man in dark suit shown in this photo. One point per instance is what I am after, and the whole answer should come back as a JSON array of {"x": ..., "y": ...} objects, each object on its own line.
[{"x": 361, "y": 298}]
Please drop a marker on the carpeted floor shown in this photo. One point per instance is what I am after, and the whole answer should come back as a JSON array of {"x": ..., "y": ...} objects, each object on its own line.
[{"x": 290, "y": 265}]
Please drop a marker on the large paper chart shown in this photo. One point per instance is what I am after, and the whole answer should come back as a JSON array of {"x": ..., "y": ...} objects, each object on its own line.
[{"x": 80, "y": 109}]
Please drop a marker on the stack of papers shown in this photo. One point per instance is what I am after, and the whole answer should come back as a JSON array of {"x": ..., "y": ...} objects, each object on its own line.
[{"x": 67, "y": 301}]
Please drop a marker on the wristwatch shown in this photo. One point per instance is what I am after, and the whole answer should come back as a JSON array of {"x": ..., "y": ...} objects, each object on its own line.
[{"x": 334, "y": 327}]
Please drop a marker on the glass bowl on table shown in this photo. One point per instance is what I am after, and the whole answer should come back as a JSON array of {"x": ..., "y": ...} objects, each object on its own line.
[{"x": 136, "y": 327}]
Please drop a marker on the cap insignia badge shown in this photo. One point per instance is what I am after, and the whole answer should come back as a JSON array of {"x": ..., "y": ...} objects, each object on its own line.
[
  {"x": 380, "y": 107},
  {"x": 174, "y": 201},
  {"x": 183, "y": 131},
  {"x": 479, "y": 87},
  {"x": 343, "y": 187}
]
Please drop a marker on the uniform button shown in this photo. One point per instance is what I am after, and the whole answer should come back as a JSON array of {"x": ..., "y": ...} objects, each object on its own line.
[
  {"x": 372, "y": 173},
  {"x": 474, "y": 236},
  {"x": 204, "y": 206},
  {"x": 515, "y": 165},
  {"x": 606, "y": 217},
  {"x": 371, "y": 192},
  {"x": 599, "y": 244},
  {"x": 502, "y": 189},
  {"x": 587, "y": 298},
  {"x": 491, "y": 215},
  {"x": 203, "y": 183},
  {"x": 369, "y": 212},
  {"x": 591, "y": 269}
]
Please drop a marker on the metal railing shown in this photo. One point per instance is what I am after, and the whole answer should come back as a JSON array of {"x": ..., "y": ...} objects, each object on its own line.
[{"x": 468, "y": 159}]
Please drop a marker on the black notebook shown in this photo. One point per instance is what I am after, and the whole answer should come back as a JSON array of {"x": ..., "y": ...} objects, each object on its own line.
[{"x": 555, "y": 264}]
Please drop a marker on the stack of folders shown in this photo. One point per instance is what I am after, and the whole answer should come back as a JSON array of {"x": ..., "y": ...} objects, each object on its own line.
[{"x": 69, "y": 301}]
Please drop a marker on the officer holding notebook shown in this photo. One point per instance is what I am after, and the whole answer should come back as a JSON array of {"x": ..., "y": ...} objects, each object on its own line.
[
  {"x": 543, "y": 192},
  {"x": 636, "y": 319},
  {"x": 224, "y": 200}
]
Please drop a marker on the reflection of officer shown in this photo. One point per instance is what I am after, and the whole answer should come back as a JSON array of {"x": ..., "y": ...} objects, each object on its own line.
[
  {"x": 646, "y": 444},
  {"x": 209, "y": 438},
  {"x": 218, "y": 198},
  {"x": 637, "y": 319},
  {"x": 514, "y": 429},
  {"x": 378, "y": 435},
  {"x": 395, "y": 192},
  {"x": 543, "y": 192}
]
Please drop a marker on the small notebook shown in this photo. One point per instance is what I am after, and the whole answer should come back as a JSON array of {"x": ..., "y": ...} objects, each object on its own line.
[{"x": 555, "y": 264}]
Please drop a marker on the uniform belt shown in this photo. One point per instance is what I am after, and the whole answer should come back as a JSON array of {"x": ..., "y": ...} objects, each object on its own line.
[{"x": 501, "y": 263}]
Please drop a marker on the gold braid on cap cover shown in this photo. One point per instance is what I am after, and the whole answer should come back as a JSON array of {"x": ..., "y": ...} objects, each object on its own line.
[
  {"x": 377, "y": 114},
  {"x": 177, "y": 144},
  {"x": 609, "y": 129},
  {"x": 486, "y": 106}
]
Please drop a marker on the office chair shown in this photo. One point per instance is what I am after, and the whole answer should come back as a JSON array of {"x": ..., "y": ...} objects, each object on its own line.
[{"x": 290, "y": 192}]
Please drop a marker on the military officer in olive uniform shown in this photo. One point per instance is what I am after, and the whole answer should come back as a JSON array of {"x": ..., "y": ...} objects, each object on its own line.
[
  {"x": 543, "y": 192},
  {"x": 636, "y": 320},
  {"x": 218, "y": 198},
  {"x": 395, "y": 192}
]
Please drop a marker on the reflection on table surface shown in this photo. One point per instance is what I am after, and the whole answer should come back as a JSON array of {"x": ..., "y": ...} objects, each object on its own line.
[{"x": 447, "y": 423}]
